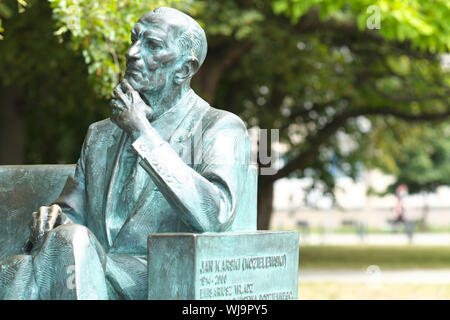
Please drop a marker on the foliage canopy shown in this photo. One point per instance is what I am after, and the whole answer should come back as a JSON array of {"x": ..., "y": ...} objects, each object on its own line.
[{"x": 310, "y": 68}]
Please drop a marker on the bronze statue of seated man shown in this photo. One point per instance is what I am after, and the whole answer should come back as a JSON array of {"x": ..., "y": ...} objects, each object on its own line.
[{"x": 165, "y": 161}]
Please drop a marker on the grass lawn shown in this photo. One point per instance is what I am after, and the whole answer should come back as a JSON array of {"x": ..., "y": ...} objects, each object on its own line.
[
  {"x": 360, "y": 291},
  {"x": 386, "y": 257}
]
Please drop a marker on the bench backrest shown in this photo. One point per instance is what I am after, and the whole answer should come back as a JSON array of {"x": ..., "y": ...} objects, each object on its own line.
[{"x": 24, "y": 188}]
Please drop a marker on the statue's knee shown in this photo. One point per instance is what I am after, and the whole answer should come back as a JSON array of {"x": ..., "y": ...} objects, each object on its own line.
[{"x": 70, "y": 235}]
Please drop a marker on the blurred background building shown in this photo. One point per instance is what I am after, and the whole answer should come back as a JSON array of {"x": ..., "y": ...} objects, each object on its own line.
[{"x": 353, "y": 203}]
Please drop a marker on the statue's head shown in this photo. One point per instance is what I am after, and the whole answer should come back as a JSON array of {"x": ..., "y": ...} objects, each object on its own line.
[{"x": 167, "y": 49}]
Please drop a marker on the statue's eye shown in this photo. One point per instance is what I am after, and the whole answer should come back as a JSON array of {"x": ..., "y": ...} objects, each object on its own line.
[
  {"x": 153, "y": 44},
  {"x": 133, "y": 38}
]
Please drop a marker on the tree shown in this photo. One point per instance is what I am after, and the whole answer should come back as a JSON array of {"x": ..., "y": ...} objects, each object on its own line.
[
  {"x": 420, "y": 158},
  {"x": 46, "y": 101},
  {"x": 311, "y": 69}
]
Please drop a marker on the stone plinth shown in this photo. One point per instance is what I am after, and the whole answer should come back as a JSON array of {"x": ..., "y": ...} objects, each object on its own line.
[{"x": 221, "y": 266}]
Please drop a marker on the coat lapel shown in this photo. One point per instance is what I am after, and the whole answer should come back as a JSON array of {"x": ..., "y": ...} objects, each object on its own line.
[
  {"x": 181, "y": 125},
  {"x": 113, "y": 155}
]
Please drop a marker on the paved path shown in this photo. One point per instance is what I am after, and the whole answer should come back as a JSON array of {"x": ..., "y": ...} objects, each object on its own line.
[
  {"x": 437, "y": 239},
  {"x": 375, "y": 275}
]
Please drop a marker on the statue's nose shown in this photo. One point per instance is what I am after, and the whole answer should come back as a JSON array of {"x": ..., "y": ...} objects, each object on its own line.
[{"x": 134, "y": 52}]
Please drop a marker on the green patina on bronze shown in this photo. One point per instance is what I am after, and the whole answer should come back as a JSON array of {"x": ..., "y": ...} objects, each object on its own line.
[
  {"x": 23, "y": 189},
  {"x": 164, "y": 162}
]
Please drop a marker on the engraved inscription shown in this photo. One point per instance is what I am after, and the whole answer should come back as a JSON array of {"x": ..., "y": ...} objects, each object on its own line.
[{"x": 219, "y": 278}]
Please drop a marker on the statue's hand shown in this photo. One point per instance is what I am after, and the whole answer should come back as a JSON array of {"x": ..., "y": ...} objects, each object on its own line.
[
  {"x": 41, "y": 222},
  {"x": 129, "y": 111}
]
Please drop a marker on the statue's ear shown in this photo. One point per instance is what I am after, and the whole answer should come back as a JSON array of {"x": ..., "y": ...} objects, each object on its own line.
[{"x": 187, "y": 70}]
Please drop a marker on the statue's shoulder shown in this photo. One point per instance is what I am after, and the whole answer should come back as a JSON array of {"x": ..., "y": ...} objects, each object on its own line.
[
  {"x": 222, "y": 119},
  {"x": 102, "y": 130},
  {"x": 214, "y": 119},
  {"x": 102, "y": 125},
  {"x": 105, "y": 126}
]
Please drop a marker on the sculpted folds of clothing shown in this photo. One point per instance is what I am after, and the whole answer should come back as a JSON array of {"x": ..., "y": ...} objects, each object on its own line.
[
  {"x": 221, "y": 156},
  {"x": 122, "y": 191},
  {"x": 71, "y": 264}
]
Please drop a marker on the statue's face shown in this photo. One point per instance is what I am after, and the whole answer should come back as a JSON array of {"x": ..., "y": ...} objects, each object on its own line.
[{"x": 152, "y": 56}]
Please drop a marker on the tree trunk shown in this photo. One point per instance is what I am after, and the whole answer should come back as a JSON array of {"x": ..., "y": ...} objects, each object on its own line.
[
  {"x": 216, "y": 63},
  {"x": 207, "y": 81},
  {"x": 12, "y": 130},
  {"x": 265, "y": 202}
]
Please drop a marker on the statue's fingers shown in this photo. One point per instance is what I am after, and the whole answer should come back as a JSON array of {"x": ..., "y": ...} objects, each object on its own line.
[
  {"x": 116, "y": 118},
  {"x": 113, "y": 117},
  {"x": 121, "y": 95},
  {"x": 127, "y": 86},
  {"x": 130, "y": 91},
  {"x": 56, "y": 207},
  {"x": 42, "y": 220},
  {"x": 116, "y": 105},
  {"x": 55, "y": 210},
  {"x": 135, "y": 96},
  {"x": 34, "y": 219},
  {"x": 34, "y": 233},
  {"x": 118, "y": 91}
]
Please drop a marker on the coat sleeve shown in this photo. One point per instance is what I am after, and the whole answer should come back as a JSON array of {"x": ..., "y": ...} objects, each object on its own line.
[
  {"x": 204, "y": 197},
  {"x": 72, "y": 199}
]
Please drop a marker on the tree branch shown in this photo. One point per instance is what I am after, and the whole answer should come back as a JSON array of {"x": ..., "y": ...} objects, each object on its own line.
[
  {"x": 209, "y": 76},
  {"x": 311, "y": 22},
  {"x": 323, "y": 135}
]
